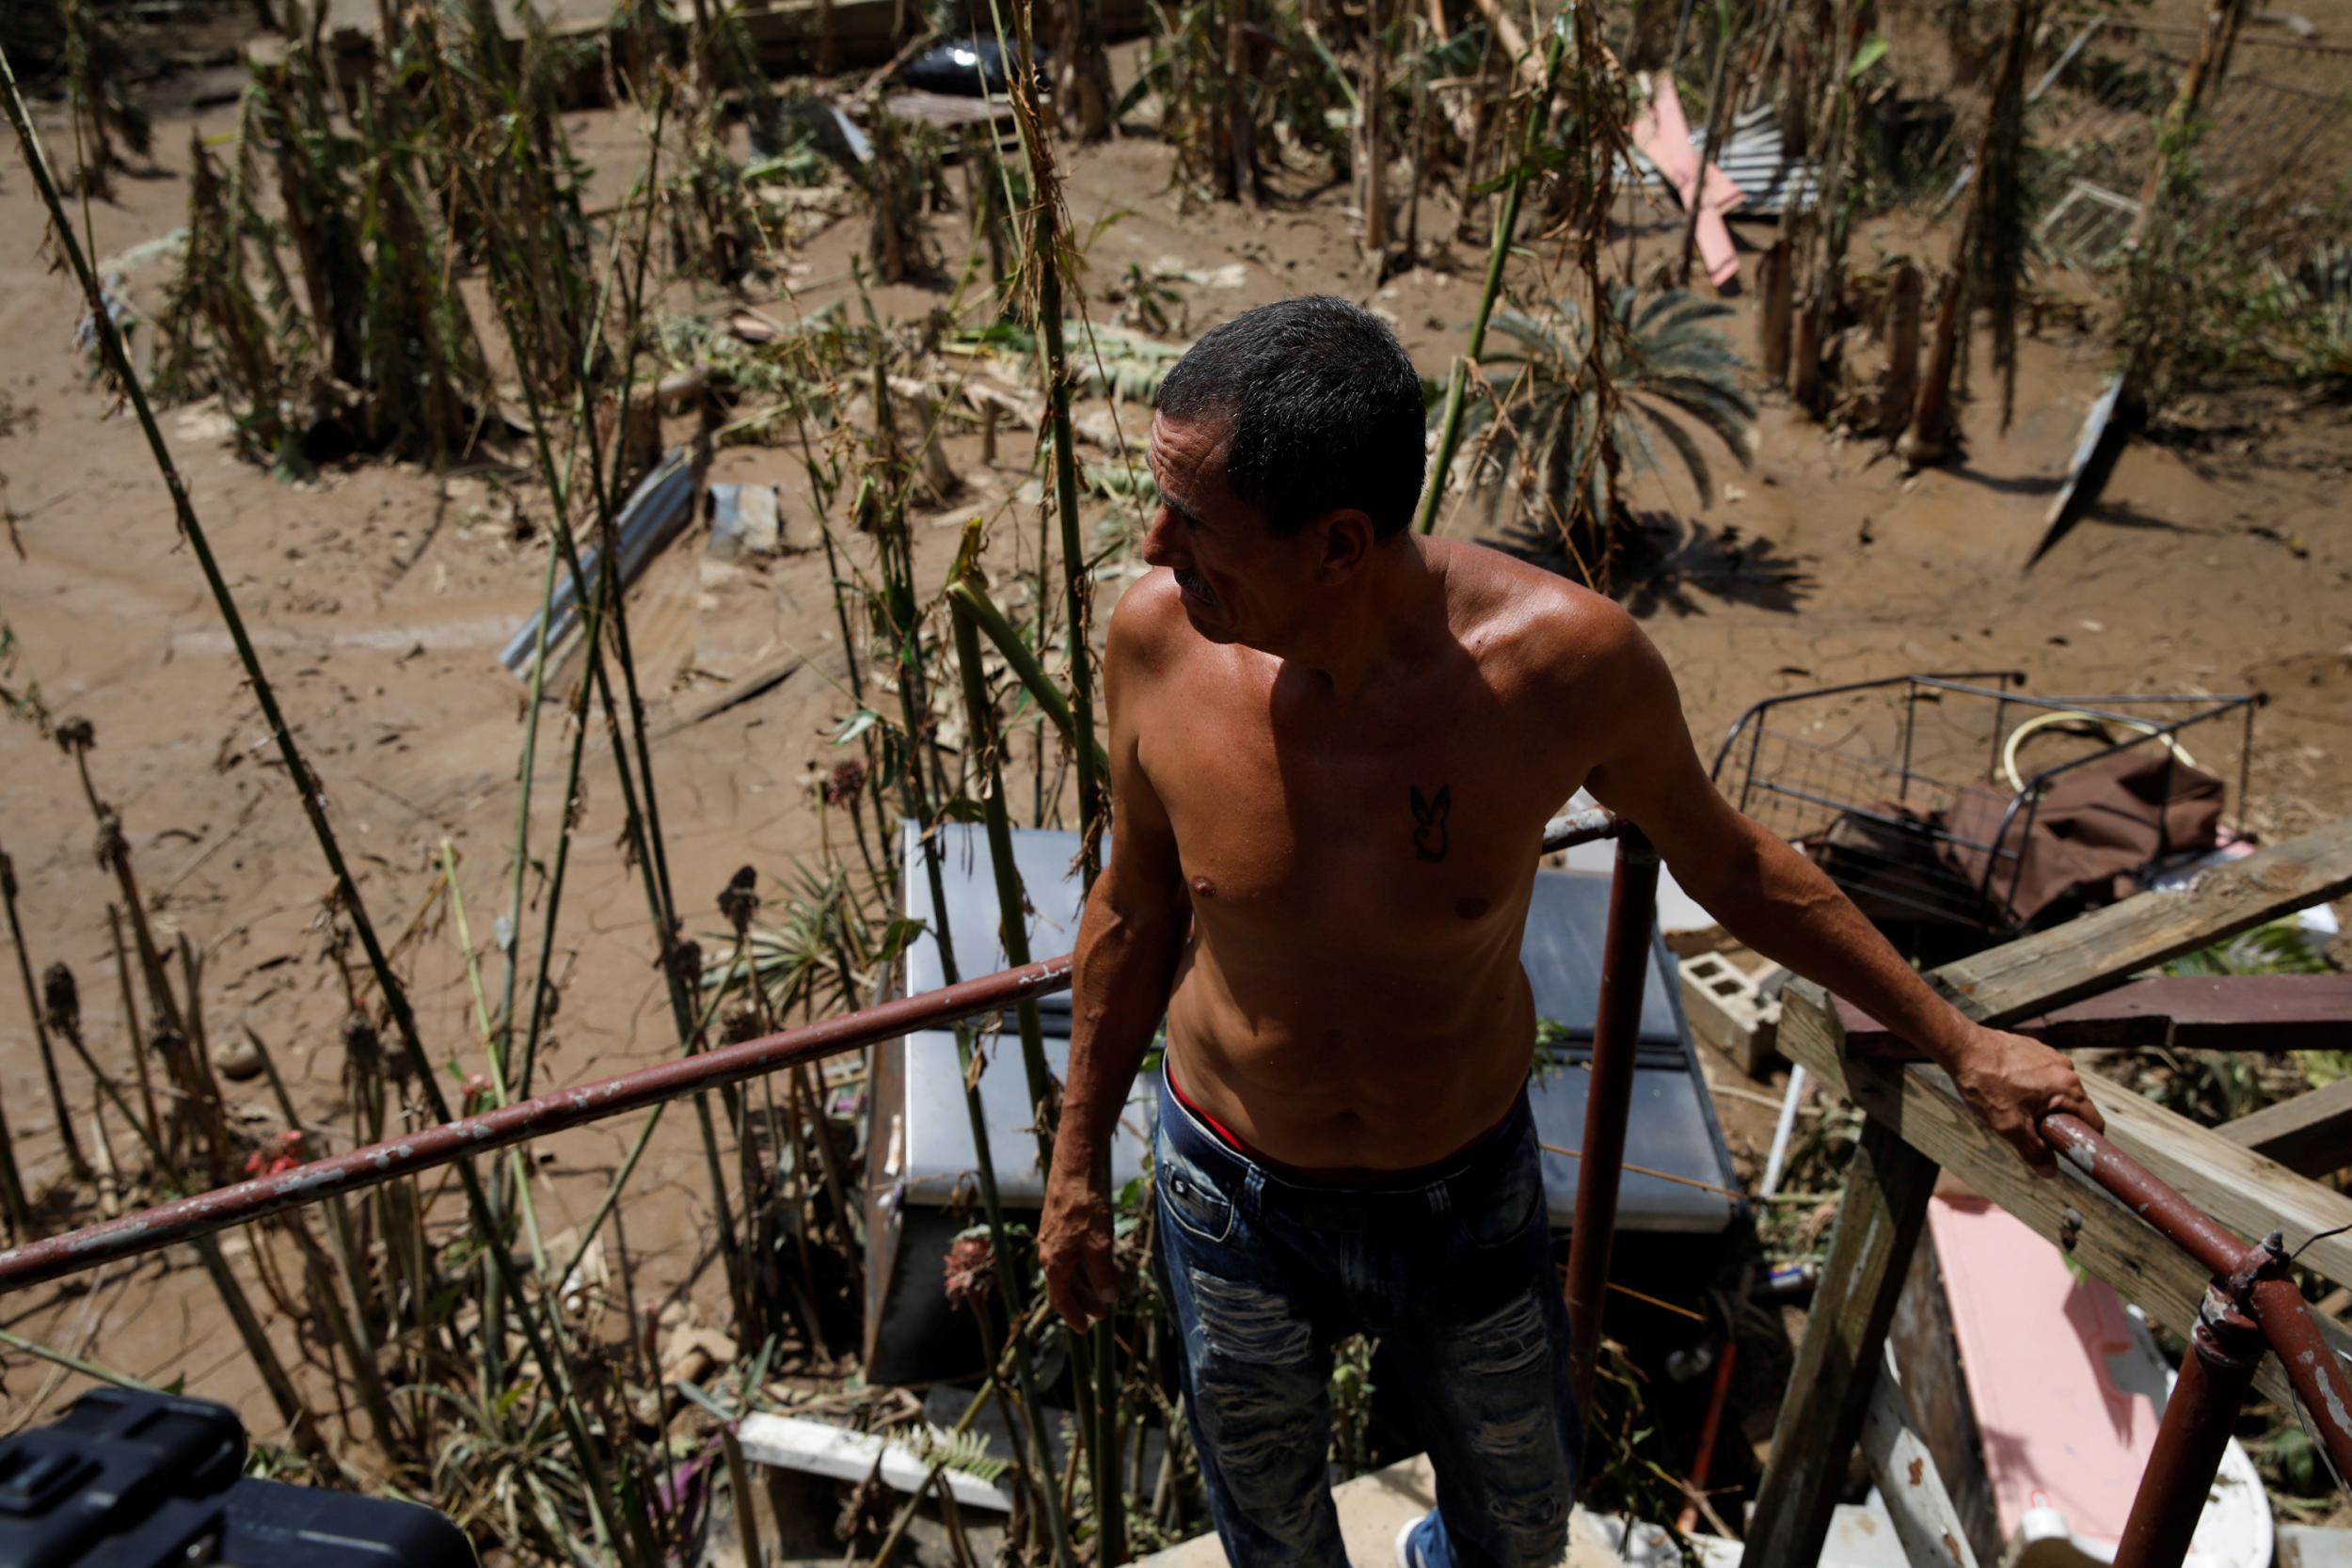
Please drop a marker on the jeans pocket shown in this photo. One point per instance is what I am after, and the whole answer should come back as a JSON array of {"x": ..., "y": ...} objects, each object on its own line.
[
  {"x": 1204, "y": 1212},
  {"x": 1502, "y": 1214}
]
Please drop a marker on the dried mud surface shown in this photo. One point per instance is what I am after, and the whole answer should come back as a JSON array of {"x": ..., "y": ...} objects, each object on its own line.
[{"x": 380, "y": 593}]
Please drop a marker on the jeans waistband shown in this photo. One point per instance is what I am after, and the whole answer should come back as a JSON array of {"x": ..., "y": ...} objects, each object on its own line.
[{"x": 1430, "y": 1189}]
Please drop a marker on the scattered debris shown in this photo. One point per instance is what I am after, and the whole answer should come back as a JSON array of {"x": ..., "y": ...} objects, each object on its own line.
[
  {"x": 967, "y": 67},
  {"x": 660, "y": 502},
  {"x": 1755, "y": 159},
  {"x": 1667, "y": 139},
  {"x": 744, "y": 520},
  {"x": 1729, "y": 1012},
  {"x": 820, "y": 1449}
]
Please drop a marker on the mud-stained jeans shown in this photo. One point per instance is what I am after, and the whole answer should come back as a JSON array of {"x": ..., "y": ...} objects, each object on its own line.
[{"x": 1451, "y": 1271}]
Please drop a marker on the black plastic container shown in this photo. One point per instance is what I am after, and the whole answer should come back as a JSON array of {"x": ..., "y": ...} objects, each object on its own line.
[{"x": 129, "y": 1480}]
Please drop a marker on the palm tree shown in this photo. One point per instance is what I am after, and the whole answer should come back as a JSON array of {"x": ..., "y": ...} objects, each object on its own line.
[{"x": 1665, "y": 370}]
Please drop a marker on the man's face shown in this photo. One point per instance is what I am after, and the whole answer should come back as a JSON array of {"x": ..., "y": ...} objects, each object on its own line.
[{"x": 1240, "y": 584}]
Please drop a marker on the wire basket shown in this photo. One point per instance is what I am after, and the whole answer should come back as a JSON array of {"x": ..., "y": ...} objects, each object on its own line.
[{"x": 1921, "y": 795}]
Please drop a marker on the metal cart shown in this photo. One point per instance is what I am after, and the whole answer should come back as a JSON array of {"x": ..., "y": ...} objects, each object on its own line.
[{"x": 1864, "y": 776}]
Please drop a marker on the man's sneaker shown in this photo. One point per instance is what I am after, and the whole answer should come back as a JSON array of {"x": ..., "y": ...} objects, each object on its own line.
[{"x": 1422, "y": 1544}]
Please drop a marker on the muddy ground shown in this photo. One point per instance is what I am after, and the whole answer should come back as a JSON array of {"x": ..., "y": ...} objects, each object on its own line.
[{"x": 379, "y": 593}]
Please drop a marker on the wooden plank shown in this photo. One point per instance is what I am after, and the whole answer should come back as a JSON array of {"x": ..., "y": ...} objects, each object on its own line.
[
  {"x": 2197, "y": 1012},
  {"x": 2310, "y": 1134},
  {"x": 768, "y": 672},
  {"x": 1936, "y": 1392},
  {"x": 2244, "y": 1191},
  {"x": 2106, "y": 1239},
  {"x": 1926, "y": 1519},
  {"x": 2097, "y": 951},
  {"x": 1886, "y": 1208}
]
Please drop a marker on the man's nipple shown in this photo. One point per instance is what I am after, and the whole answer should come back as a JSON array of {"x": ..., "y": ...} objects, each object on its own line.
[{"x": 1203, "y": 887}]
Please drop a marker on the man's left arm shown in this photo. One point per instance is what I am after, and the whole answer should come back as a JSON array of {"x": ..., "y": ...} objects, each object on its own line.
[{"x": 1781, "y": 905}]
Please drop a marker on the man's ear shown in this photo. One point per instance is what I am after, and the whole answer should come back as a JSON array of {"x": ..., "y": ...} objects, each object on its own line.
[{"x": 1347, "y": 541}]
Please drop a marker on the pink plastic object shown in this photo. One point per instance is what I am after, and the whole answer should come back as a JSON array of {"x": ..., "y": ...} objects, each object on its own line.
[
  {"x": 1663, "y": 134},
  {"x": 2035, "y": 1342}
]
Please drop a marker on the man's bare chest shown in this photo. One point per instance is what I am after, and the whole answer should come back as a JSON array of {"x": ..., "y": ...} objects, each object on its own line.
[{"x": 1413, "y": 819}]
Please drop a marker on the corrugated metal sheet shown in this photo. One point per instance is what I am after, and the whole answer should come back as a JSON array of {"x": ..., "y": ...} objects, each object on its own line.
[{"x": 1756, "y": 159}]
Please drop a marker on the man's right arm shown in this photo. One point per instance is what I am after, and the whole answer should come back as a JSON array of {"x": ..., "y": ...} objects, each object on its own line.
[{"x": 1130, "y": 940}]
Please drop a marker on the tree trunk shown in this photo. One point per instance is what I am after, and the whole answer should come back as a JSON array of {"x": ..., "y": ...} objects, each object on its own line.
[
  {"x": 1234, "y": 106},
  {"x": 1371, "y": 162},
  {"x": 1902, "y": 350},
  {"x": 1929, "y": 437},
  {"x": 1419, "y": 159},
  {"x": 1085, "y": 72},
  {"x": 1804, "y": 356},
  {"x": 1774, "y": 283}
]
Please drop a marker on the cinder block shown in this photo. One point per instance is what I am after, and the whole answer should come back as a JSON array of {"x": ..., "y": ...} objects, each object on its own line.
[{"x": 1730, "y": 1013}]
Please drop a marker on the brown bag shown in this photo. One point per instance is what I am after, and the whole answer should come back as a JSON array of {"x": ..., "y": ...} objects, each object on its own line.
[{"x": 2098, "y": 826}]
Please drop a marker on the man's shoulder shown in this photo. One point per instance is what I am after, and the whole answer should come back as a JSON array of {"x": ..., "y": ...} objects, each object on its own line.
[
  {"x": 1536, "y": 624},
  {"x": 1149, "y": 625}
]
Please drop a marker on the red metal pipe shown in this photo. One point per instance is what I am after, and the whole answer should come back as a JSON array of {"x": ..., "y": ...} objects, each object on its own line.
[
  {"x": 1616, "y": 1028},
  {"x": 2311, "y": 1365},
  {"x": 186, "y": 1218},
  {"x": 2227, "y": 1346},
  {"x": 441, "y": 1145},
  {"x": 2187, "y": 1227}
]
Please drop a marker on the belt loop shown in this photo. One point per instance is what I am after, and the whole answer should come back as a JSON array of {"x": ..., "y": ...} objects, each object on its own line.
[
  {"x": 1253, "y": 1188},
  {"x": 1440, "y": 1195}
]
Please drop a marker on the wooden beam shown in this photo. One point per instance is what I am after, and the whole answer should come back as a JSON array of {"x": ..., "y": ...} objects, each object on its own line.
[
  {"x": 2244, "y": 1191},
  {"x": 2068, "y": 1209},
  {"x": 2196, "y": 1012},
  {"x": 1885, "y": 1207},
  {"x": 2098, "y": 950},
  {"x": 1927, "y": 1520},
  {"x": 1922, "y": 1340},
  {"x": 2310, "y": 1134}
]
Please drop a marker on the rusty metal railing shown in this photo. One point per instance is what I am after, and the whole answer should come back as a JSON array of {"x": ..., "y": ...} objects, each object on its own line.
[
  {"x": 2253, "y": 1303},
  {"x": 1625, "y": 969}
]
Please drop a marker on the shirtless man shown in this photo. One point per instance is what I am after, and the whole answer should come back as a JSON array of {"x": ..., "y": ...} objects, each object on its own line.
[{"x": 1334, "y": 744}]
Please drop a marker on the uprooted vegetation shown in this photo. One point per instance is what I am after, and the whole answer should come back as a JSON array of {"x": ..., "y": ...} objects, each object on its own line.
[{"x": 411, "y": 264}]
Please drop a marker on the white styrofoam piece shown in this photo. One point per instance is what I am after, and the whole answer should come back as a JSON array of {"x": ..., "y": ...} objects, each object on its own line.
[{"x": 821, "y": 1448}]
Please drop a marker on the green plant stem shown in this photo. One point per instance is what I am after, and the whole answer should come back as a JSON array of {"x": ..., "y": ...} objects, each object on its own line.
[
  {"x": 14, "y": 1207},
  {"x": 516, "y": 1173},
  {"x": 906, "y": 632},
  {"x": 1507, "y": 225},
  {"x": 297, "y": 771},
  {"x": 643, "y": 830},
  {"x": 1098, "y": 1418},
  {"x": 74, "y": 1363},
  {"x": 1079, "y": 585},
  {"x": 347, "y": 1319},
  {"x": 1011, "y": 904},
  {"x": 620, "y": 1178},
  {"x": 973, "y": 599},
  {"x": 58, "y": 1105}
]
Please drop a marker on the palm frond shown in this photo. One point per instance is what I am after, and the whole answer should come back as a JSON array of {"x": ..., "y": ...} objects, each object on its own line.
[{"x": 1673, "y": 371}]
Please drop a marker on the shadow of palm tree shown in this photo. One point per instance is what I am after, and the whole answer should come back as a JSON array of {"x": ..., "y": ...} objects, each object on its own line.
[{"x": 1668, "y": 562}]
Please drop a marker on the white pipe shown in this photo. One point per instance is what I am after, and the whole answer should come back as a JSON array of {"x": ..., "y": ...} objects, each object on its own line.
[{"x": 1780, "y": 1133}]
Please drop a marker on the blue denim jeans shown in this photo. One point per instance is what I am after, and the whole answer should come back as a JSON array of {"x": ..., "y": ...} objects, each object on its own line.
[{"x": 1451, "y": 1271}]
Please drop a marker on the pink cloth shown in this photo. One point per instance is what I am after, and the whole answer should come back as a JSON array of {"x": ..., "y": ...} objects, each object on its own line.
[{"x": 1663, "y": 134}]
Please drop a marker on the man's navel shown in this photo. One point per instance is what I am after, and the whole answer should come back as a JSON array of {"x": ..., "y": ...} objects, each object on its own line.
[{"x": 1472, "y": 908}]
